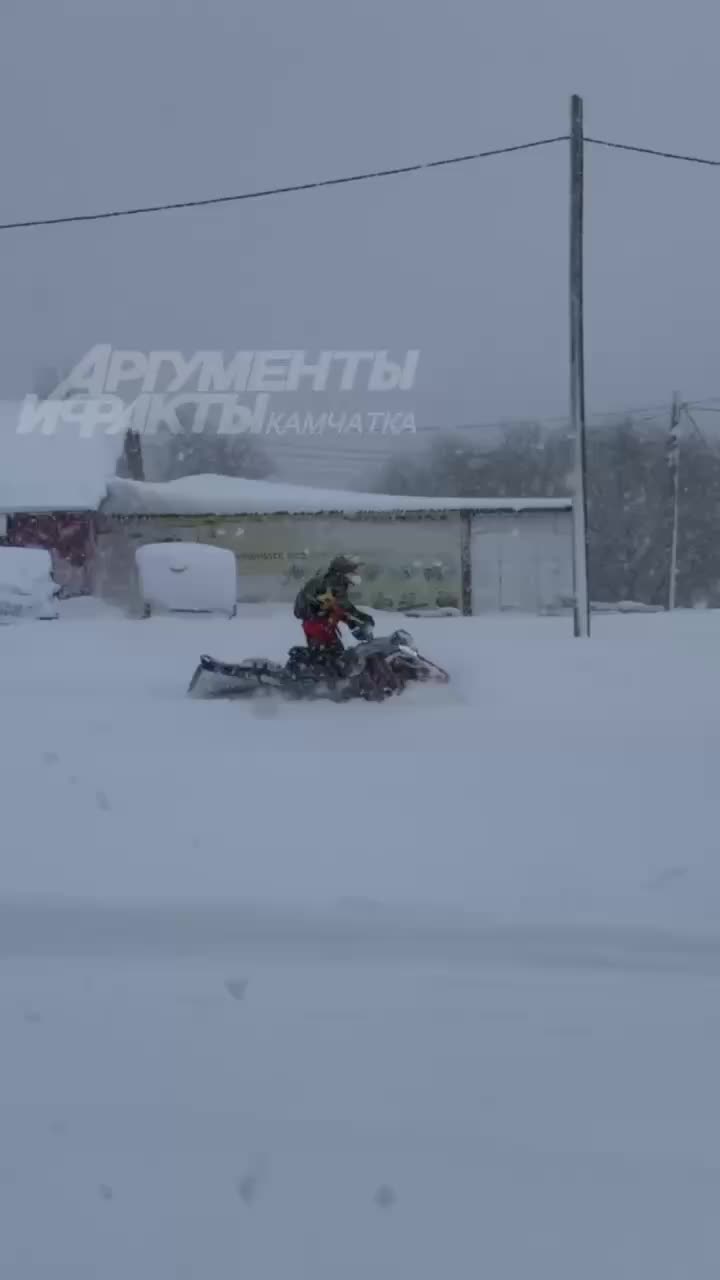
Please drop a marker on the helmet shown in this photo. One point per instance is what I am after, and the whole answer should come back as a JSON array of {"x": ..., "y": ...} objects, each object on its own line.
[{"x": 345, "y": 566}]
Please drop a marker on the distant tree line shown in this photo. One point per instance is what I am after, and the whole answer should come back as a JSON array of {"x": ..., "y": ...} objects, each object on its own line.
[{"x": 630, "y": 497}]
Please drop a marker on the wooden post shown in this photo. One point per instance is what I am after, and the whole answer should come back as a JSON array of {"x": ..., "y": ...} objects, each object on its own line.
[
  {"x": 132, "y": 449},
  {"x": 466, "y": 521},
  {"x": 577, "y": 370}
]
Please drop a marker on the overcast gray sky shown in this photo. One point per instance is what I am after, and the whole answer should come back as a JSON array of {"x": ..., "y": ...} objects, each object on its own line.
[{"x": 109, "y": 104}]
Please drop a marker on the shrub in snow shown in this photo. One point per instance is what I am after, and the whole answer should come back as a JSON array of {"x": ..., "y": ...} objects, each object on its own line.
[
  {"x": 27, "y": 587},
  {"x": 187, "y": 577}
]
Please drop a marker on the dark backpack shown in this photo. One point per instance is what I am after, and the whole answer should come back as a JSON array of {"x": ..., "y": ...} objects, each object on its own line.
[
  {"x": 303, "y": 607},
  {"x": 300, "y": 609}
]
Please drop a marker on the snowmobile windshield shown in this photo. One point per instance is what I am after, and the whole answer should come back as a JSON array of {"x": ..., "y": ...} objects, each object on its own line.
[{"x": 403, "y": 638}]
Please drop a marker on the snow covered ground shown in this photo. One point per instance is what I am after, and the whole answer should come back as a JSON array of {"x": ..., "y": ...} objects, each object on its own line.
[{"x": 423, "y": 989}]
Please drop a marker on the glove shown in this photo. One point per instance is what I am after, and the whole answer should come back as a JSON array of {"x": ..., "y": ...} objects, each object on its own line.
[{"x": 362, "y": 630}]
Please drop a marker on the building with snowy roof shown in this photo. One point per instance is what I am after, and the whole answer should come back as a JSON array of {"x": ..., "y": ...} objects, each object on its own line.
[
  {"x": 52, "y": 483},
  {"x": 471, "y": 554}
]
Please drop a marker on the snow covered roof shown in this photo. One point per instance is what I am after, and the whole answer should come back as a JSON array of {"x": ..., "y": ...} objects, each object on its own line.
[
  {"x": 63, "y": 471},
  {"x": 224, "y": 495}
]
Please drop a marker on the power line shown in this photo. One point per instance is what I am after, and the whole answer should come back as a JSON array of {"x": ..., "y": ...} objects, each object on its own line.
[
  {"x": 651, "y": 151},
  {"x": 697, "y": 428},
  {"x": 711, "y": 405},
  {"x": 370, "y": 175},
  {"x": 397, "y": 171},
  {"x": 644, "y": 413},
  {"x": 346, "y": 448},
  {"x": 279, "y": 191}
]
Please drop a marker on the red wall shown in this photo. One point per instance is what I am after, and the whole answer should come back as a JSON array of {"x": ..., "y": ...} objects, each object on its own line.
[{"x": 70, "y": 539}]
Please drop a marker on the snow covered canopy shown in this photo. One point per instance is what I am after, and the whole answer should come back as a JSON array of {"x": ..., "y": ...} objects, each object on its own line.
[
  {"x": 63, "y": 471},
  {"x": 224, "y": 495}
]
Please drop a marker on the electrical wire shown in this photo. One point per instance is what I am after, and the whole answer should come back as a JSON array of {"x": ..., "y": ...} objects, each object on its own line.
[
  {"x": 396, "y": 171},
  {"x": 286, "y": 190},
  {"x": 651, "y": 151}
]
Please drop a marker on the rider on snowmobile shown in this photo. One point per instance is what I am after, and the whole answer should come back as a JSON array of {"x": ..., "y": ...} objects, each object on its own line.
[{"x": 323, "y": 603}]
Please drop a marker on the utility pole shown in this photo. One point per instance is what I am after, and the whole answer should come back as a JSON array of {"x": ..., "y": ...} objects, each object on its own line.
[
  {"x": 674, "y": 461},
  {"x": 577, "y": 370}
]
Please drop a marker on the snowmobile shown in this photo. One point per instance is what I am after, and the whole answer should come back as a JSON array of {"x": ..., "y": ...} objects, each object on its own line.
[{"x": 375, "y": 669}]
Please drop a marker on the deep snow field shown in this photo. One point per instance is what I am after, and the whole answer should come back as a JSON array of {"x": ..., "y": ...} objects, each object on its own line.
[{"x": 418, "y": 990}]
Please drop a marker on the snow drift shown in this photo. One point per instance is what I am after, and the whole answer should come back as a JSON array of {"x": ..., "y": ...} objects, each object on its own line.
[
  {"x": 398, "y": 991},
  {"x": 27, "y": 587}
]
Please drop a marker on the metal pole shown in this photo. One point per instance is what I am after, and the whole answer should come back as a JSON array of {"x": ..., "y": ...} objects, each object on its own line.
[
  {"x": 674, "y": 459},
  {"x": 577, "y": 370}
]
